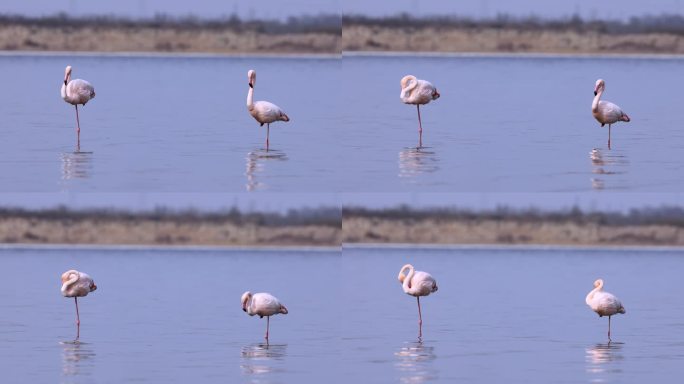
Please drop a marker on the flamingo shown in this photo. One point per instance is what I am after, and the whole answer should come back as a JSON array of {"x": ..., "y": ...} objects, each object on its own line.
[
  {"x": 417, "y": 283},
  {"x": 418, "y": 92},
  {"x": 77, "y": 284},
  {"x": 262, "y": 304},
  {"x": 604, "y": 303},
  {"x": 263, "y": 112},
  {"x": 606, "y": 112},
  {"x": 76, "y": 92}
]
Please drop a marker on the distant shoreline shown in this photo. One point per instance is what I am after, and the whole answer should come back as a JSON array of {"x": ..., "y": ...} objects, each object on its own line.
[
  {"x": 315, "y": 228},
  {"x": 506, "y": 228},
  {"x": 168, "y": 248},
  {"x": 165, "y": 38},
  {"x": 509, "y": 39},
  {"x": 157, "y": 54}
]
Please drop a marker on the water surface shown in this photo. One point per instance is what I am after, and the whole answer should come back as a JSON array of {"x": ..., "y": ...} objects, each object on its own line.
[
  {"x": 166, "y": 124},
  {"x": 512, "y": 124},
  {"x": 167, "y": 316},
  {"x": 513, "y": 315}
]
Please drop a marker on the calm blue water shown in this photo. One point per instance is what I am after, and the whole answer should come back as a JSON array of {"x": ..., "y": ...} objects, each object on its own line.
[
  {"x": 166, "y": 124},
  {"x": 167, "y": 316},
  {"x": 512, "y": 125},
  {"x": 512, "y": 315},
  {"x": 500, "y": 315}
]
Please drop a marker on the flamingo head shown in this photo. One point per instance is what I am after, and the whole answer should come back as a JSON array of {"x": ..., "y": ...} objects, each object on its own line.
[
  {"x": 251, "y": 76},
  {"x": 245, "y": 298},
  {"x": 598, "y": 283},
  {"x": 67, "y": 74},
  {"x": 406, "y": 80},
  {"x": 600, "y": 86}
]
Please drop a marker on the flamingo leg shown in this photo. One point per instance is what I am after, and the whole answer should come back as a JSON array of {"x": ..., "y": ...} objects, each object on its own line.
[
  {"x": 78, "y": 320},
  {"x": 609, "y": 145},
  {"x": 609, "y": 340},
  {"x": 268, "y": 133},
  {"x": 420, "y": 320},
  {"x": 78, "y": 127},
  {"x": 268, "y": 324},
  {"x": 420, "y": 127}
]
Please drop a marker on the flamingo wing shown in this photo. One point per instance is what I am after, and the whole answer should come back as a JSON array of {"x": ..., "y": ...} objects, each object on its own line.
[
  {"x": 610, "y": 112},
  {"x": 81, "y": 90}
]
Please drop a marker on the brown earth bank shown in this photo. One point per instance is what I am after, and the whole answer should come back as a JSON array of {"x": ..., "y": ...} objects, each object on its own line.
[
  {"x": 375, "y": 38},
  {"x": 513, "y": 229},
  {"x": 110, "y": 36},
  {"x": 64, "y": 227}
]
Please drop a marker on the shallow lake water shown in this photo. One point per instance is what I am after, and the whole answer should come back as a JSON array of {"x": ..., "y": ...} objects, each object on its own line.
[
  {"x": 167, "y": 124},
  {"x": 500, "y": 315},
  {"x": 171, "y": 316},
  {"x": 513, "y": 315},
  {"x": 512, "y": 124}
]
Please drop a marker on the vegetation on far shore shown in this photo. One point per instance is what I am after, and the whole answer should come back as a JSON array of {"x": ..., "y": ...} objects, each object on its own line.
[
  {"x": 665, "y": 215},
  {"x": 322, "y": 216},
  {"x": 322, "y": 23},
  {"x": 667, "y": 23}
]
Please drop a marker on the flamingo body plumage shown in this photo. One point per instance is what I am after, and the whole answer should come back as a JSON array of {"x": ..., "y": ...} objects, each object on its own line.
[
  {"x": 604, "y": 303},
  {"x": 417, "y": 92},
  {"x": 263, "y": 112},
  {"x": 75, "y": 92},
  {"x": 417, "y": 284},
  {"x": 77, "y": 284},
  {"x": 262, "y": 304},
  {"x": 606, "y": 112}
]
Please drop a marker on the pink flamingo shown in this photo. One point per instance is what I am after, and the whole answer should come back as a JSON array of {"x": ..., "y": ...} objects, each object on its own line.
[
  {"x": 418, "y": 92},
  {"x": 606, "y": 112},
  {"x": 76, "y": 92},
  {"x": 417, "y": 283},
  {"x": 262, "y": 304},
  {"x": 77, "y": 284},
  {"x": 263, "y": 111},
  {"x": 604, "y": 303}
]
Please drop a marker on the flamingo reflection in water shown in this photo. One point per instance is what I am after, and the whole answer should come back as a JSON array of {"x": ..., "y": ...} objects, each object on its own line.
[
  {"x": 414, "y": 363},
  {"x": 255, "y": 169}
]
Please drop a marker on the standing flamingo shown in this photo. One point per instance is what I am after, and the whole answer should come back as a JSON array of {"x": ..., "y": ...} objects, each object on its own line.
[
  {"x": 77, "y": 284},
  {"x": 417, "y": 283},
  {"x": 604, "y": 303},
  {"x": 606, "y": 112},
  {"x": 76, "y": 92},
  {"x": 262, "y": 304},
  {"x": 263, "y": 111},
  {"x": 415, "y": 91}
]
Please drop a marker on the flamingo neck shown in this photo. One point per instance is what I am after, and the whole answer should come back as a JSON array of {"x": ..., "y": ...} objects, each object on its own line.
[
  {"x": 407, "y": 280},
  {"x": 597, "y": 99},
  {"x": 64, "y": 92},
  {"x": 74, "y": 278},
  {"x": 406, "y": 92},
  {"x": 250, "y": 98}
]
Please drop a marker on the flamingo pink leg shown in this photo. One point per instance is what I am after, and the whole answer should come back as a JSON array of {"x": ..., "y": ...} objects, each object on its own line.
[
  {"x": 78, "y": 126},
  {"x": 268, "y": 324},
  {"x": 78, "y": 320},
  {"x": 609, "y": 139},
  {"x": 609, "y": 329},
  {"x": 420, "y": 127},
  {"x": 268, "y": 133},
  {"x": 420, "y": 320}
]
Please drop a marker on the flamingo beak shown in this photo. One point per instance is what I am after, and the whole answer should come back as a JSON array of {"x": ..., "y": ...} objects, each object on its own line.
[
  {"x": 250, "y": 85},
  {"x": 595, "y": 93}
]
